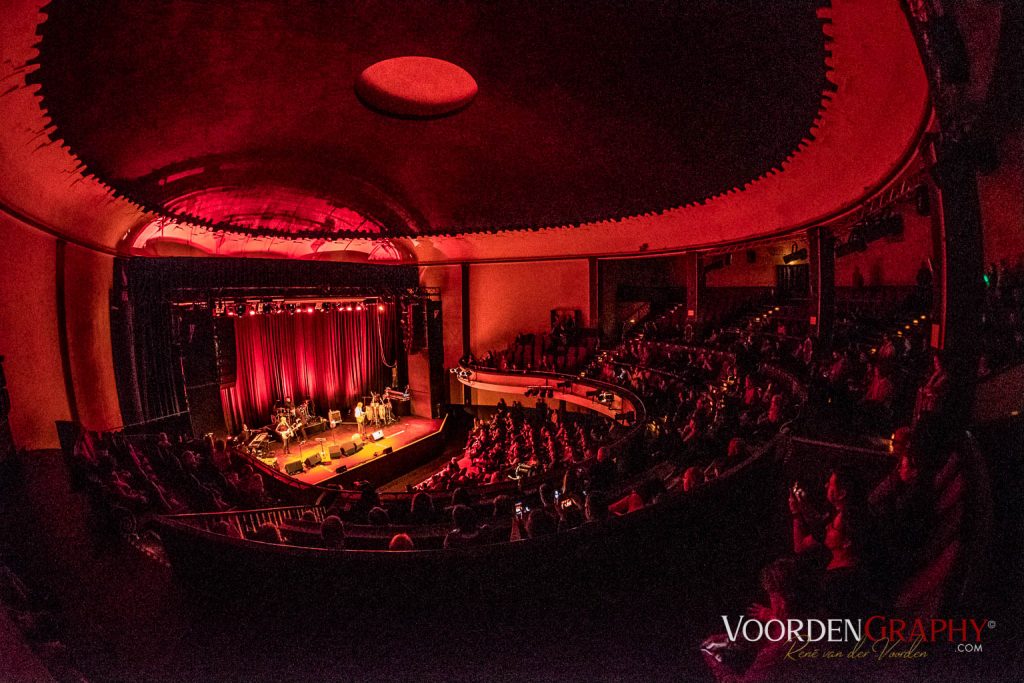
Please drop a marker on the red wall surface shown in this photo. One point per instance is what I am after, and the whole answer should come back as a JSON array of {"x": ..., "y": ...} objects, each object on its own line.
[
  {"x": 887, "y": 262},
  {"x": 508, "y": 298},
  {"x": 29, "y": 338},
  {"x": 30, "y": 335},
  {"x": 88, "y": 277},
  {"x": 1002, "y": 203},
  {"x": 891, "y": 262}
]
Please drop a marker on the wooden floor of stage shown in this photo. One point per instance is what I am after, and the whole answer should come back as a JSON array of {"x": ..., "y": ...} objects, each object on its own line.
[{"x": 396, "y": 436}]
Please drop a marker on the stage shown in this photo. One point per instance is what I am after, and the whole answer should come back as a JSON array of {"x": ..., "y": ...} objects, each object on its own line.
[{"x": 397, "y": 436}]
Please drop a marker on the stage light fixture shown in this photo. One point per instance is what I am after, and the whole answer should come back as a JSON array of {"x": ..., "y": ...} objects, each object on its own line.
[
  {"x": 309, "y": 309},
  {"x": 359, "y": 307},
  {"x": 380, "y": 307},
  {"x": 240, "y": 309},
  {"x": 349, "y": 308},
  {"x": 795, "y": 255}
]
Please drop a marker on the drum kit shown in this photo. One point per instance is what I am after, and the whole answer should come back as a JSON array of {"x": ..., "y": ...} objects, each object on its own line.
[{"x": 379, "y": 411}]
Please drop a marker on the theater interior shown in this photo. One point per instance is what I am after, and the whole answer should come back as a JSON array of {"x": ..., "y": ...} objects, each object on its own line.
[{"x": 434, "y": 340}]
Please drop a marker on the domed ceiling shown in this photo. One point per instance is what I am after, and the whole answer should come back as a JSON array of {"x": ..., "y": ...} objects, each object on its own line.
[{"x": 243, "y": 116}]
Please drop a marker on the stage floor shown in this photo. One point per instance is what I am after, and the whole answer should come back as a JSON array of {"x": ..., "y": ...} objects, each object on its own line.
[{"x": 396, "y": 436}]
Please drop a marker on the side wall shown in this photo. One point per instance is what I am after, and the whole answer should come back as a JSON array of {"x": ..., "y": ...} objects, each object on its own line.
[
  {"x": 508, "y": 298},
  {"x": 88, "y": 276},
  {"x": 29, "y": 338},
  {"x": 30, "y": 335},
  {"x": 504, "y": 300},
  {"x": 886, "y": 263},
  {"x": 891, "y": 263},
  {"x": 1002, "y": 204}
]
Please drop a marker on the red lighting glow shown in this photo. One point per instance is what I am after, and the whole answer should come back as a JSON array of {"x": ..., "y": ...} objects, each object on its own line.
[
  {"x": 416, "y": 86},
  {"x": 380, "y": 308}
]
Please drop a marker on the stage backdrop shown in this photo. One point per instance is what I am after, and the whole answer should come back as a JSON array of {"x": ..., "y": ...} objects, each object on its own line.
[{"x": 333, "y": 358}]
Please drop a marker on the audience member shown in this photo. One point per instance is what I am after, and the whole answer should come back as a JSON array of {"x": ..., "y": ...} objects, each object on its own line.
[
  {"x": 332, "y": 533},
  {"x": 401, "y": 542}
]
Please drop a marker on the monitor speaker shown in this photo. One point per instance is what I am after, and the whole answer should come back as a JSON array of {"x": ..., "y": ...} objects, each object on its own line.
[
  {"x": 377, "y": 435},
  {"x": 340, "y": 468},
  {"x": 293, "y": 467},
  {"x": 387, "y": 451},
  {"x": 313, "y": 460},
  {"x": 351, "y": 449}
]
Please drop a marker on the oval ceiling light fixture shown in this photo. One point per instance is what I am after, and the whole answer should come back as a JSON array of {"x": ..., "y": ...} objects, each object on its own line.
[{"x": 416, "y": 87}]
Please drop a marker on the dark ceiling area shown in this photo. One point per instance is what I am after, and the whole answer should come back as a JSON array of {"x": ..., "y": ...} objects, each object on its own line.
[{"x": 587, "y": 109}]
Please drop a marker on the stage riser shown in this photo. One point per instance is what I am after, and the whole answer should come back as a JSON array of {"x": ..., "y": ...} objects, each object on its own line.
[{"x": 385, "y": 468}]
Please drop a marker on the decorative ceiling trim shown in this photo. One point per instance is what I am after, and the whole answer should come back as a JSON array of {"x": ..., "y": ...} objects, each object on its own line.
[{"x": 93, "y": 170}]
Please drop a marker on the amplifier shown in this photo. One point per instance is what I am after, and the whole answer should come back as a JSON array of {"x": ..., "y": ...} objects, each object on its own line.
[
  {"x": 316, "y": 425},
  {"x": 334, "y": 416}
]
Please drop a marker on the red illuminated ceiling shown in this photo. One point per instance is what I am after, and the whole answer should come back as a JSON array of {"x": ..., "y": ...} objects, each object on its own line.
[
  {"x": 586, "y": 109},
  {"x": 181, "y": 98}
]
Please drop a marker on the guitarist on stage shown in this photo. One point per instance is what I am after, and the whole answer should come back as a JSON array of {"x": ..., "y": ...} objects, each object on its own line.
[{"x": 284, "y": 431}]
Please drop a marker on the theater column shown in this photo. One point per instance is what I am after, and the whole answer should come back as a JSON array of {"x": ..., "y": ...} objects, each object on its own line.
[
  {"x": 696, "y": 283},
  {"x": 959, "y": 267},
  {"x": 467, "y": 391},
  {"x": 821, "y": 255}
]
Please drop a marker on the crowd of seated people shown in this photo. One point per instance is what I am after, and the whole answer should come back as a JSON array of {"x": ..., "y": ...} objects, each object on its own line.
[
  {"x": 514, "y": 438},
  {"x": 859, "y": 551},
  {"x": 868, "y": 382},
  {"x": 709, "y": 412},
  {"x": 158, "y": 475}
]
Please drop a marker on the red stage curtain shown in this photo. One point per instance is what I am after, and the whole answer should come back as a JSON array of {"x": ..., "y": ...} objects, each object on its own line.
[{"x": 333, "y": 358}]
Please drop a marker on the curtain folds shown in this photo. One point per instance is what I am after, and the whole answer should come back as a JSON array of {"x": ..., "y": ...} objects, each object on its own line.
[{"x": 333, "y": 358}]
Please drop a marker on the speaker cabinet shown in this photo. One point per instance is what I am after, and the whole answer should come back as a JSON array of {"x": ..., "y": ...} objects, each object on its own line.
[
  {"x": 377, "y": 435},
  {"x": 293, "y": 467},
  {"x": 351, "y": 449},
  {"x": 313, "y": 460},
  {"x": 387, "y": 451}
]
